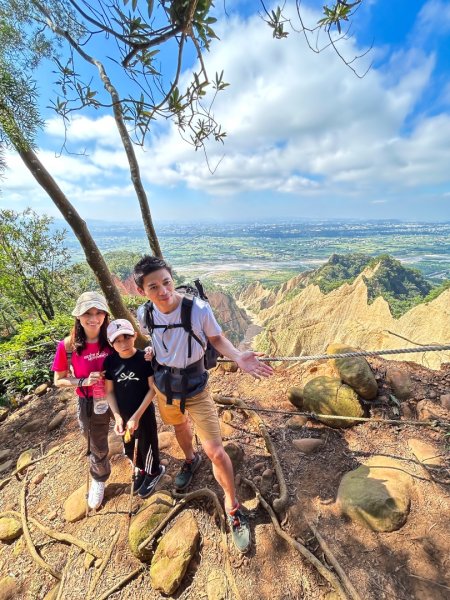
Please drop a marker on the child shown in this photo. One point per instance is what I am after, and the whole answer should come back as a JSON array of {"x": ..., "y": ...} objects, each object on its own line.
[{"x": 129, "y": 389}]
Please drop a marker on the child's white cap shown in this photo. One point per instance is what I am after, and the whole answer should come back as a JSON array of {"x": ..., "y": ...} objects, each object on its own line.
[{"x": 119, "y": 327}]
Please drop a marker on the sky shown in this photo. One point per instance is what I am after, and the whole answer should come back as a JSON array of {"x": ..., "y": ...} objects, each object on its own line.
[{"x": 306, "y": 137}]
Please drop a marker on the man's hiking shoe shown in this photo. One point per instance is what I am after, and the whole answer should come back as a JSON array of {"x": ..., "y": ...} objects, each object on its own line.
[
  {"x": 96, "y": 493},
  {"x": 148, "y": 486},
  {"x": 138, "y": 481},
  {"x": 240, "y": 529},
  {"x": 184, "y": 477}
]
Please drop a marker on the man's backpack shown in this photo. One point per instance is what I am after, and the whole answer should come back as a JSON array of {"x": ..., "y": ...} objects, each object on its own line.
[{"x": 189, "y": 293}]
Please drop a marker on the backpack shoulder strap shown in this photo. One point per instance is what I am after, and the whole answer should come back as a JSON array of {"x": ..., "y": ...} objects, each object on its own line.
[
  {"x": 186, "y": 321},
  {"x": 148, "y": 316}
]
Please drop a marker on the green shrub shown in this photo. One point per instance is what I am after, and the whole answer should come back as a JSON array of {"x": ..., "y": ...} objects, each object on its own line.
[{"x": 26, "y": 358}]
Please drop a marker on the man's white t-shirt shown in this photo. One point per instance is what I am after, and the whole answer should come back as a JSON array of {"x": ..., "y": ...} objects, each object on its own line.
[{"x": 203, "y": 323}]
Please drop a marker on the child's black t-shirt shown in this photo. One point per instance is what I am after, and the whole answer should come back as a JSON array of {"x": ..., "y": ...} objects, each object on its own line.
[{"x": 130, "y": 379}]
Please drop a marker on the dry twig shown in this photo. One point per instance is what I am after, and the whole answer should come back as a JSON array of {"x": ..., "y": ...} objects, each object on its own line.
[
  {"x": 3, "y": 482},
  {"x": 122, "y": 582}
]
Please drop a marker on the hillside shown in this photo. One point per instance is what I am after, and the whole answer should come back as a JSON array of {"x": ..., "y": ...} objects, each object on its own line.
[{"x": 300, "y": 316}]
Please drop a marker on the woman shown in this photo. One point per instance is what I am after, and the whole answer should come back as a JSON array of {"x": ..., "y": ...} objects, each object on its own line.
[{"x": 78, "y": 363}]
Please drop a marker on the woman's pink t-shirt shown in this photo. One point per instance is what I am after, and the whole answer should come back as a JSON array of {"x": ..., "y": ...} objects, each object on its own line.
[{"x": 91, "y": 359}]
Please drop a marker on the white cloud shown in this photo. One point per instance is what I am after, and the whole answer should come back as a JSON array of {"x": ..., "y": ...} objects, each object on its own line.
[{"x": 297, "y": 123}]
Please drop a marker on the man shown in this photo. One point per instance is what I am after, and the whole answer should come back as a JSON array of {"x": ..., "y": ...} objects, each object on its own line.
[{"x": 181, "y": 379}]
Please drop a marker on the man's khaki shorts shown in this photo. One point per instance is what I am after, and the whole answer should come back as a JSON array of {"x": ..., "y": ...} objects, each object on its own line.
[{"x": 201, "y": 409}]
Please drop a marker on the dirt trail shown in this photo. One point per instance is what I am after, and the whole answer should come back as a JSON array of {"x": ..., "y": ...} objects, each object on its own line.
[{"x": 412, "y": 563}]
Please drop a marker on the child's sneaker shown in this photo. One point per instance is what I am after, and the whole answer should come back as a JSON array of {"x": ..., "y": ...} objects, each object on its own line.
[
  {"x": 240, "y": 529},
  {"x": 96, "y": 494},
  {"x": 184, "y": 477},
  {"x": 148, "y": 486},
  {"x": 138, "y": 480}
]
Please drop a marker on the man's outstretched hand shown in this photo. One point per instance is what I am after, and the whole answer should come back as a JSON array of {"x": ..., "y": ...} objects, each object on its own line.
[{"x": 248, "y": 362}]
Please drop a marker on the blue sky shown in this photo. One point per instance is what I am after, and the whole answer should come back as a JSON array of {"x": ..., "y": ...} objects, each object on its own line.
[{"x": 306, "y": 138}]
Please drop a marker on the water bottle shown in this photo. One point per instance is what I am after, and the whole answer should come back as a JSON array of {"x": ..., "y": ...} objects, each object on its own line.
[{"x": 99, "y": 397}]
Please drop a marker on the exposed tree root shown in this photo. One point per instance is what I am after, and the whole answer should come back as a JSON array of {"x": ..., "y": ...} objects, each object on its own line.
[
  {"x": 184, "y": 499},
  {"x": 315, "y": 562},
  {"x": 334, "y": 561},
  {"x": 102, "y": 567},
  {"x": 65, "y": 538},
  {"x": 122, "y": 582},
  {"x": 280, "y": 503},
  {"x": 3, "y": 482},
  {"x": 26, "y": 532}
]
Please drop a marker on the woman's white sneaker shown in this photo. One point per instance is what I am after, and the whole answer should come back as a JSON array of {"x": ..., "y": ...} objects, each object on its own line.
[{"x": 96, "y": 494}]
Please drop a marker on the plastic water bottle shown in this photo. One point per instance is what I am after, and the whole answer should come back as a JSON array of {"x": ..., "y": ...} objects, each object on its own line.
[{"x": 99, "y": 396}]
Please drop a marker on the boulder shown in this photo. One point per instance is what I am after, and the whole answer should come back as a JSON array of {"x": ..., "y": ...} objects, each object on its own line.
[
  {"x": 295, "y": 396},
  {"x": 329, "y": 396},
  {"x": 296, "y": 422},
  {"x": 6, "y": 466},
  {"x": 3, "y": 413},
  {"x": 41, "y": 389},
  {"x": 235, "y": 453},
  {"x": 229, "y": 367},
  {"x": 10, "y": 529},
  {"x": 56, "y": 421},
  {"x": 34, "y": 425},
  {"x": 75, "y": 505},
  {"x": 165, "y": 439},
  {"x": 173, "y": 555},
  {"x": 147, "y": 519},
  {"x": 9, "y": 588},
  {"x": 115, "y": 444},
  {"x": 5, "y": 454},
  {"x": 426, "y": 453},
  {"x": 400, "y": 382},
  {"x": 377, "y": 494},
  {"x": 24, "y": 459},
  {"x": 355, "y": 372},
  {"x": 307, "y": 445}
]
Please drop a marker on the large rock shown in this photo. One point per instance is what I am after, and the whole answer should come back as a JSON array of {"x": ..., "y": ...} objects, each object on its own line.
[
  {"x": 377, "y": 494},
  {"x": 173, "y": 555},
  {"x": 400, "y": 382},
  {"x": 229, "y": 366},
  {"x": 10, "y": 529},
  {"x": 5, "y": 454},
  {"x": 115, "y": 445},
  {"x": 307, "y": 445},
  {"x": 147, "y": 519},
  {"x": 295, "y": 396},
  {"x": 236, "y": 454},
  {"x": 426, "y": 453},
  {"x": 34, "y": 425},
  {"x": 355, "y": 372},
  {"x": 297, "y": 422},
  {"x": 56, "y": 421},
  {"x": 24, "y": 459},
  {"x": 6, "y": 466},
  {"x": 9, "y": 588},
  {"x": 3, "y": 413},
  {"x": 75, "y": 505},
  {"x": 165, "y": 439},
  {"x": 329, "y": 396},
  {"x": 41, "y": 389}
]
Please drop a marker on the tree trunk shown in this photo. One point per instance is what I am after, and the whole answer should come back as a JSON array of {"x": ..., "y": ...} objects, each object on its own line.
[{"x": 93, "y": 255}]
